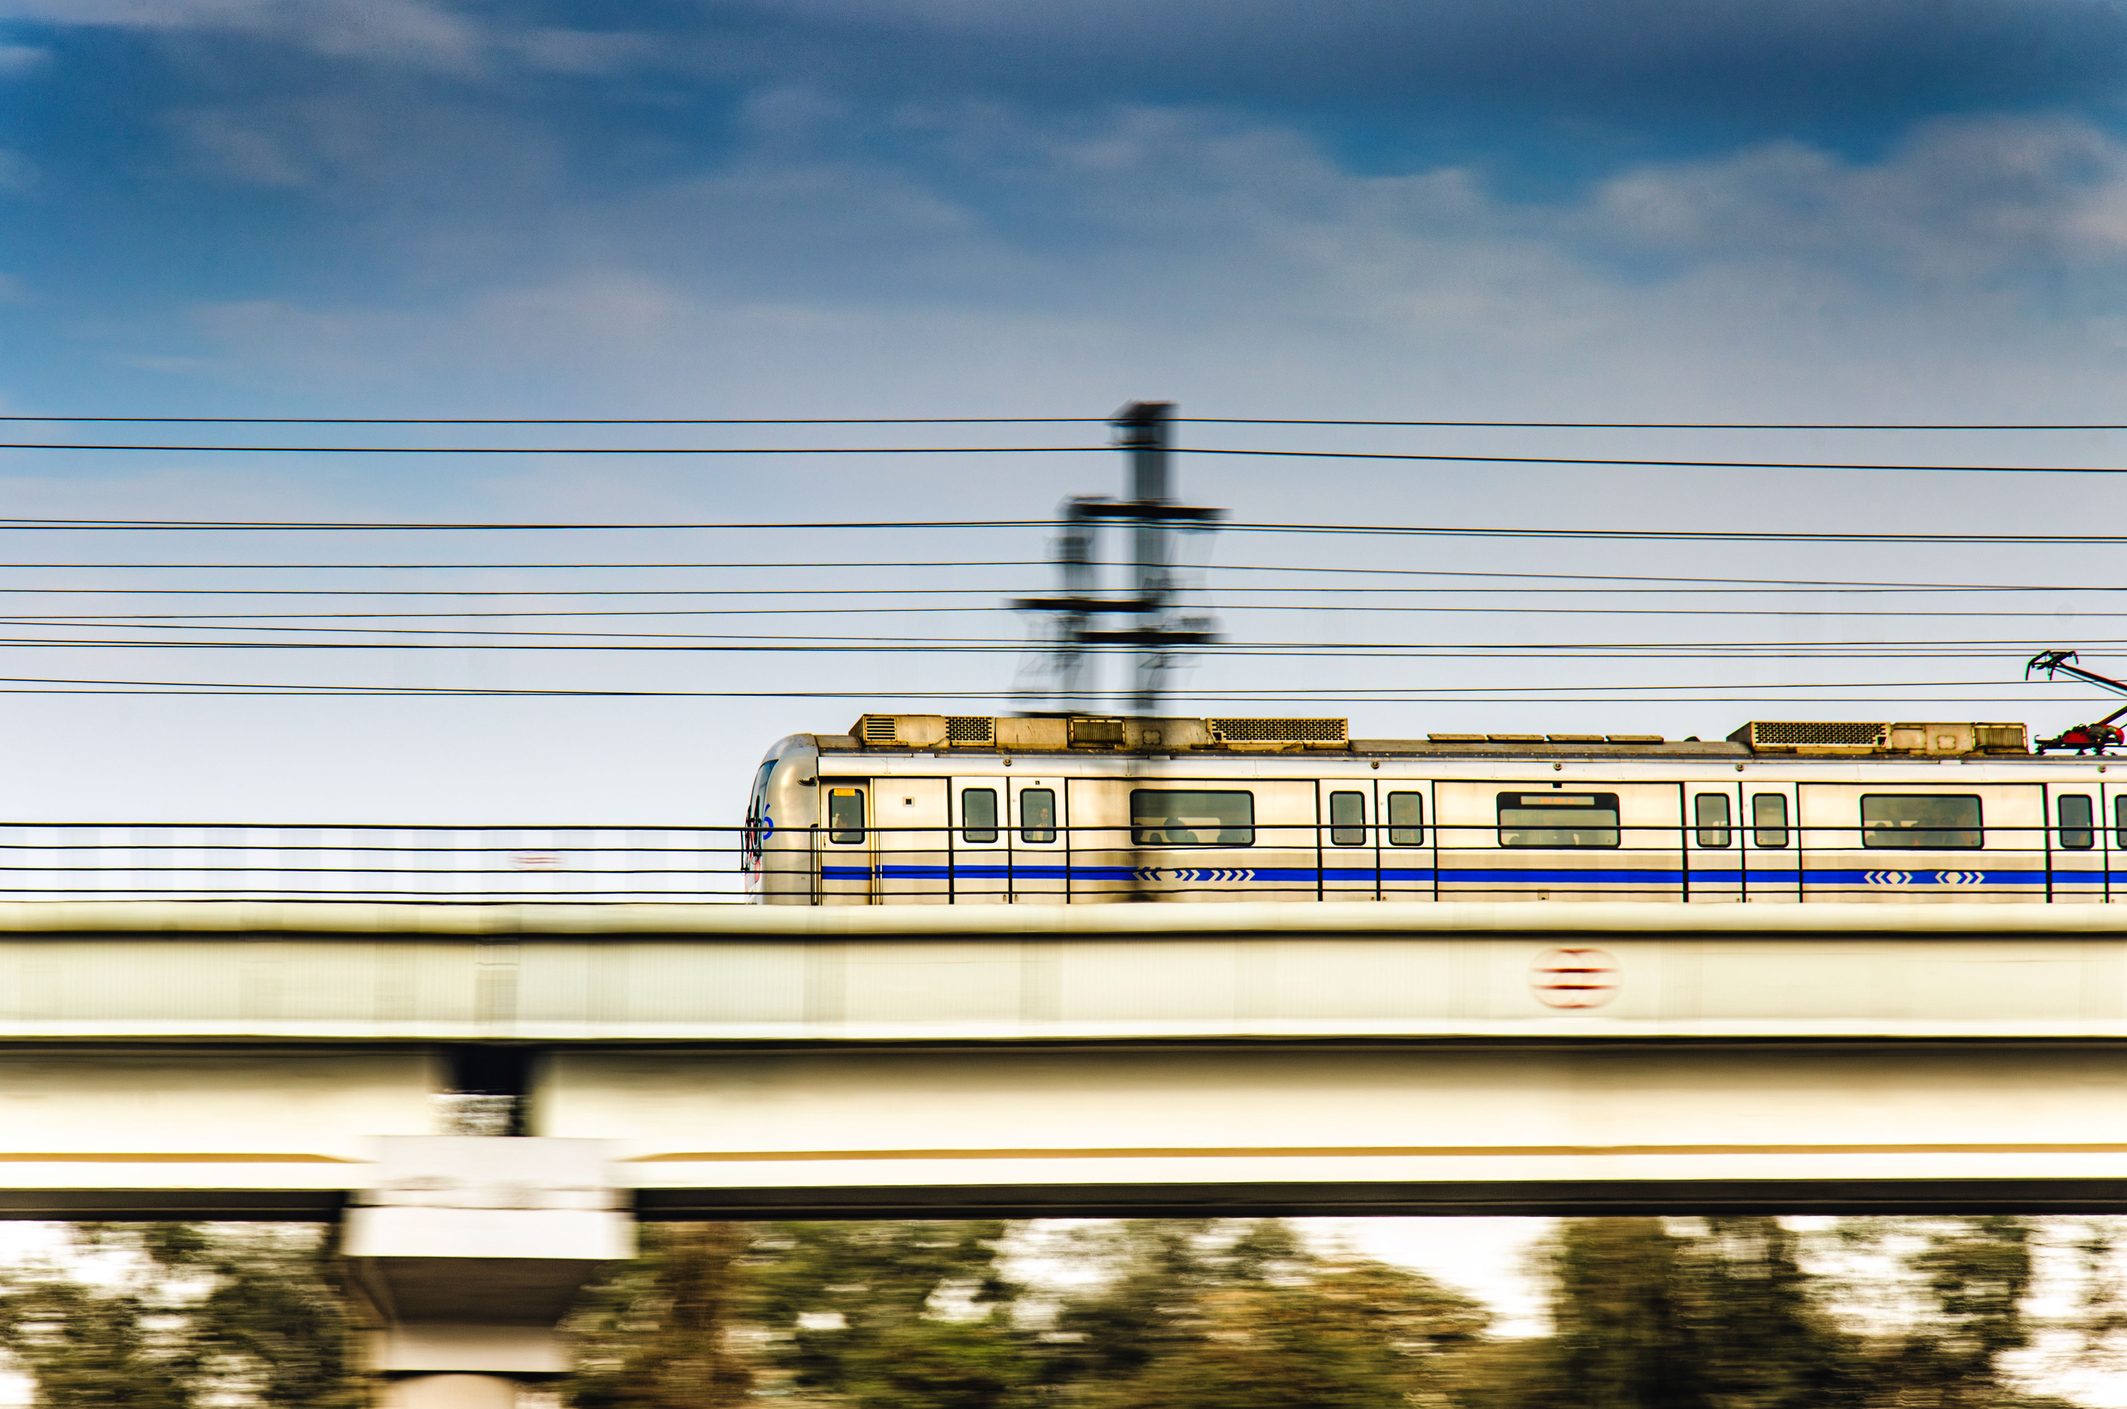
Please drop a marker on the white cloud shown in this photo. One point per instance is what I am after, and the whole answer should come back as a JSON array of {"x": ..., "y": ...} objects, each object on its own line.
[
  {"x": 1977, "y": 261},
  {"x": 401, "y": 30}
]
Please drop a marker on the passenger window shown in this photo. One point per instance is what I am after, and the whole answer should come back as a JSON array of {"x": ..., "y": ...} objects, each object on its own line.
[
  {"x": 2119, "y": 822},
  {"x": 2078, "y": 819},
  {"x": 1558, "y": 819},
  {"x": 1159, "y": 817},
  {"x": 1709, "y": 813},
  {"x": 1347, "y": 819},
  {"x": 1037, "y": 814},
  {"x": 978, "y": 815},
  {"x": 845, "y": 816},
  {"x": 1406, "y": 819},
  {"x": 1921, "y": 822},
  {"x": 1768, "y": 819}
]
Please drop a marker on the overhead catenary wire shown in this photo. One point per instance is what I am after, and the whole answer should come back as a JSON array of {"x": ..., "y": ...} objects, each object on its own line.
[
  {"x": 1752, "y": 584},
  {"x": 1459, "y": 457},
  {"x": 1326, "y": 529},
  {"x": 30, "y": 685},
  {"x": 98, "y": 419}
]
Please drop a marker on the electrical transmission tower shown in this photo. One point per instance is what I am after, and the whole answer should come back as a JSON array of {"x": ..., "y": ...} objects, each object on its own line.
[{"x": 1152, "y": 622}]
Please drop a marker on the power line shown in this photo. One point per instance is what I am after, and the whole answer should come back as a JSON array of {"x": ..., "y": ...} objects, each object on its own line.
[
  {"x": 771, "y": 644},
  {"x": 226, "y": 689},
  {"x": 1667, "y": 464},
  {"x": 501, "y": 567},
  {"x": 1674, "y": 535},
  {"x": 567, "y": 420},
  {"x": 175, "y": 620},
  {"x": 674, "y": 450},
  {"x": 568, "y": 449},
  {"x": 1669, "y": 425},
  {"x": 1741, "y": 584},
  {"x": 1055, "y": 420},
  {"x": 294, "y": 525},
  {"x": 1362, "y": 530}
]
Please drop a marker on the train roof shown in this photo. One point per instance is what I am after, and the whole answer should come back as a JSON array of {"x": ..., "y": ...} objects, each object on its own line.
[{"x": 1096, "y": 734}]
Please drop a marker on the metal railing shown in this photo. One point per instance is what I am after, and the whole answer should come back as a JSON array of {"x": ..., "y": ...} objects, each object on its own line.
[
  {"x": 375, "y": 862},
  {"x": 578, "y": 864},
  {"x": 1327, "y": 860}
]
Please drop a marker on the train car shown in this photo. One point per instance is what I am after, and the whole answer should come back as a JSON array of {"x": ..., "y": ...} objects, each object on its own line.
[{"x": 923, "y": 809}]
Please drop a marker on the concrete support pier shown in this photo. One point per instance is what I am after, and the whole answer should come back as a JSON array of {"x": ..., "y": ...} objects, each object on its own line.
[{"x": 470, "y": 1250}]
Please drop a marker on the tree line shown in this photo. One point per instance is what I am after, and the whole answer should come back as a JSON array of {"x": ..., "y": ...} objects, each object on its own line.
[{"x": 1719, "y": 1313}]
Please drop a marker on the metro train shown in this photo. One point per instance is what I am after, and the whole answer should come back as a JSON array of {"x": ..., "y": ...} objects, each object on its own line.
[{"x": 925, "y": 809}]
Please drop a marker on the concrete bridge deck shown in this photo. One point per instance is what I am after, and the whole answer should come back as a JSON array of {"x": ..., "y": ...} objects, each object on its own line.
[{"x": 159, "y": 1059}]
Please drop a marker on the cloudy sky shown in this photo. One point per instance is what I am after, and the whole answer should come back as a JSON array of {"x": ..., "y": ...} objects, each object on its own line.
[{"x": 1610, "y": 210}]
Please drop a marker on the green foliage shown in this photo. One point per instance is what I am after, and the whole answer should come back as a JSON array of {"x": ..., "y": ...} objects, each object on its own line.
[
  {"x": 1650, "y": 1317},
  {"x": 659, "y": 1335},
  {"x": 1721, "y": 1313},
  {"x": 1198, "y": 1315},
  {"x": 854, "y": 1309},
  {"x": 179, "y": 1315},
  {"x": 1976, "y": 1273}
]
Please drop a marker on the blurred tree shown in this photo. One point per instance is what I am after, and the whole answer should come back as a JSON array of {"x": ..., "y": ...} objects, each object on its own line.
[
  {"x": 662, "y": 1332},
  {"x": 179, "y": 1314},
  {"x": 1199, "y": 1315},
  {"x": 1975, "y": 1274},
  {"x": 914, "y": 1314}
]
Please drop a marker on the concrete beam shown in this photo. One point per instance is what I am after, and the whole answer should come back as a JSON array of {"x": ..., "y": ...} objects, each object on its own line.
[{"x": 730, "y": 974}]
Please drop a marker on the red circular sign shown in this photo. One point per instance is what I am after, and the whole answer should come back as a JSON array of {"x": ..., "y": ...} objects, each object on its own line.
[{"x": 1574, "y": 978}]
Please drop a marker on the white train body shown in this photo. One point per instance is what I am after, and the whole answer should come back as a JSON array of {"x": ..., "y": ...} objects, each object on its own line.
[{"x": 941, "y": 810}]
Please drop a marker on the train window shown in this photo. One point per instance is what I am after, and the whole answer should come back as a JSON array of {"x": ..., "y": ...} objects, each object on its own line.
[
  {"x": 2078, "y": 818},
  {"x": 1921, "y": 821},
  {"x": 1159, "y": 817},
  {"x": 1768, "y": 819},
  {"x": 845, "y": 816},
  {"x": 1406, "y": 819},
  {"x": 1347, "y": 819},
  {"x": 1037, "y": 814},
  {"x": 978, "y": 815},
  {"x": 2119, "y": 822},
  {"x": 1709, "y": 813},
  {"x": 1558, "y": 819}
]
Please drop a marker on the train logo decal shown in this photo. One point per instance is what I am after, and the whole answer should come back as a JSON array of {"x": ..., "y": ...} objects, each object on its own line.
[
  {"x": 1960, "y": 878},
  {"x": 1153, "y": 873},
  {"x": 1887, "y": 878},
  {"x": 1574, "y": 978}
]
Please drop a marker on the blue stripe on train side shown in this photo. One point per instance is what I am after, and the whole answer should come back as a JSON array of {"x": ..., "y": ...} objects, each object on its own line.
[{"x": 1874, "y": 878}]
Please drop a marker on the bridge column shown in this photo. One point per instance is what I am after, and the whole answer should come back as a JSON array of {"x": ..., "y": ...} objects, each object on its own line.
[{"x": 470, "y": 1249}]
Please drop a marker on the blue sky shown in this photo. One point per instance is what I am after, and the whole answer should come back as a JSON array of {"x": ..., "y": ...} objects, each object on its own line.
[
  {"x": 545, "y": 198},
  {"x": 1613, "y": 209}
]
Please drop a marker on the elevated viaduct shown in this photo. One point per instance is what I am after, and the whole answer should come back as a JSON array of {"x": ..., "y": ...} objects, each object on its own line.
[{"x": 269, "y": 1060}]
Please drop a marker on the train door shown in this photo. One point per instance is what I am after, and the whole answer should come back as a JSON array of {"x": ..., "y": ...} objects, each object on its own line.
[
  {"x": 912, "y": 846},
  {"x": 1040, "y": 841},
  {"x": 1348, "y": 839},
  {"x": 1770, "y": 834},
  {"x": 1903, "y": 841},
  {"x": 1099, "y": 857},
  {"x": 2076, "y": 844},
  {"x": 1713, "y": 843},
  {"x": 847, "y": 875},
  {"x": 2112, "y": 822},
  {"x": 1535, "y": 840},
  {"x": 981, "y": 842},
  {"x": 1405, "y": 838}
]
